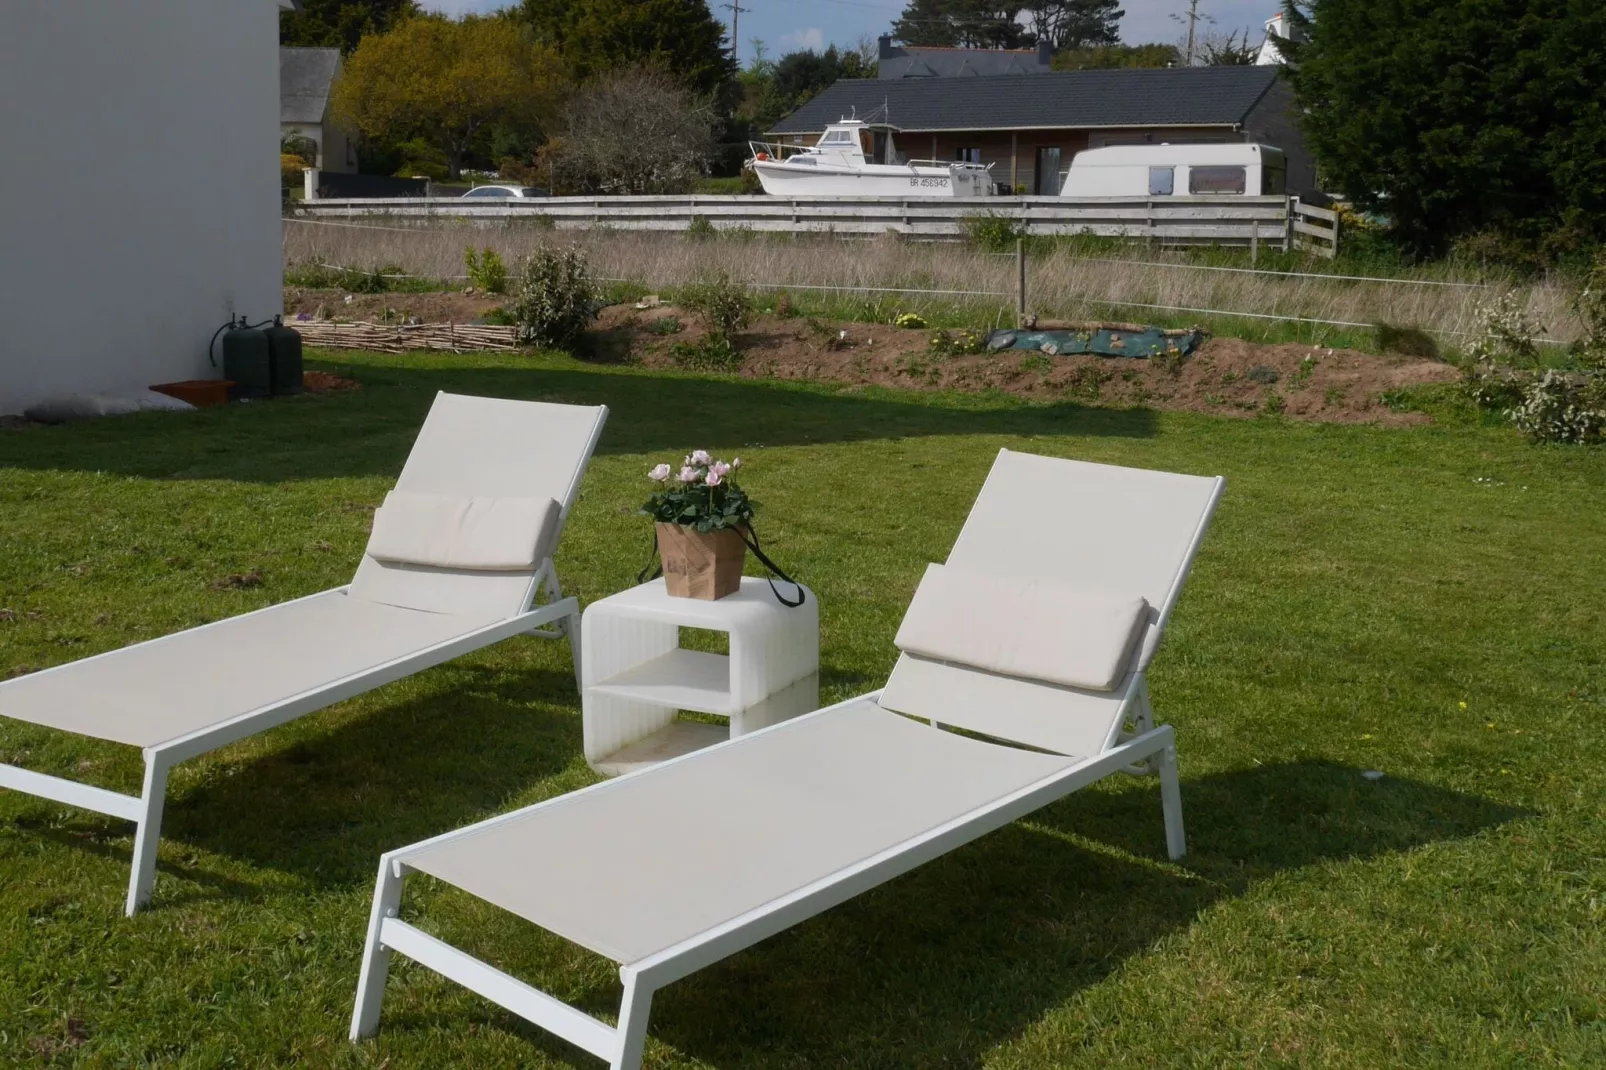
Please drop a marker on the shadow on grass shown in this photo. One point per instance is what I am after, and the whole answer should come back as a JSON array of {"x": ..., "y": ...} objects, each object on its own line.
[
  {"x": 325, "y": 807},
  {"x": 940, "y": 966},
  {"x": 369, "y": 432}
]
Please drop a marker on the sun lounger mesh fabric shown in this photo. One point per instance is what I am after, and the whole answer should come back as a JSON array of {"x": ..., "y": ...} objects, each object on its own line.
[
  {"x": 1029, "y": 628},
  {"x": 650, "y": 860},
  {"x": 159, "y": 691},
  {"x": 1092, "y": 527},
  {"x": 480, "y": 447}
]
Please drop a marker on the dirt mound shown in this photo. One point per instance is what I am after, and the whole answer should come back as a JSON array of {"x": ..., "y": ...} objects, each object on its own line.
[
  {"x": 342, "y": 307},
  {"x": 1226, "y": 376}
]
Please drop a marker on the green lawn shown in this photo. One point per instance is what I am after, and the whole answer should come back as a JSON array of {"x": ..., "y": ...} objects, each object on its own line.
[{"x": 1423, "y": 602}]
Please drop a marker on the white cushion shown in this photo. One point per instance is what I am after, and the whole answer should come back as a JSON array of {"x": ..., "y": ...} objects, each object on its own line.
[
  {"x": 1028, "y": 628},
  {"x": 443, "y": 531}
]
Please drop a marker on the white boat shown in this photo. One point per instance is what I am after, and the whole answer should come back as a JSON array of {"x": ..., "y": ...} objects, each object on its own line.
[{"x": 838, "y": 165}]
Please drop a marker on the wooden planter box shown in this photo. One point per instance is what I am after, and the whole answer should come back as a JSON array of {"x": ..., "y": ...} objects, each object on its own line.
[{"x": 698, "y": 565}]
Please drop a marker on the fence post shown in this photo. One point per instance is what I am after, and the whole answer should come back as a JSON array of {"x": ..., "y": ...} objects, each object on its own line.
[
  {"x": 1020, "y": 284},
  {"x": 1254, "y": 245},
  {"x": 309, "y": 184},
  {"x": 1288, "y": 224}
]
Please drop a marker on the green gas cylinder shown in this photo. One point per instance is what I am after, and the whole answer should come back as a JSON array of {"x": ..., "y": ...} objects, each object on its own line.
[
  {"x": 284, "y": 357},
  {"x": 247, "y": 362}
]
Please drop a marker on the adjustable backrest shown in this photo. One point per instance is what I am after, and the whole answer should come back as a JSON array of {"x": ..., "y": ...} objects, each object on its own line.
[
  {"x": 1100, "y": 529},
  {"x": 474, "y": 447}
]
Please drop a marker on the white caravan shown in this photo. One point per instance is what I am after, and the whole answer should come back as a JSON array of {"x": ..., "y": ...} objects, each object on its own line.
[
  {"x": 1227, "y": 169},
  {"x": 838, "y": 165}
]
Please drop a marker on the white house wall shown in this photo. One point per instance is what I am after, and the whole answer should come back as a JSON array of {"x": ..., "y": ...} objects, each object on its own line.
[{"x": 160, "y": 219}]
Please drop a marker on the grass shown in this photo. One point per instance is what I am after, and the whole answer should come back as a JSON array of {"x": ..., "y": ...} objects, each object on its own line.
[
  {"x": 1423, "y": 602},
  {"x": 1067, "y": 278}
]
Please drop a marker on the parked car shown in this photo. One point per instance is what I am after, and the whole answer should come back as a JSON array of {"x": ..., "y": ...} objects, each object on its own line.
[
  {"x": 1242, "y": 169},
  {"x": 507, "y": 191}
]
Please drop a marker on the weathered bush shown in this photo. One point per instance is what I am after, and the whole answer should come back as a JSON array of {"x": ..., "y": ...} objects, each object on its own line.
[
  {"x": 556, "y": 297},
  {"x": 721, "y": 302},
  {"x": 1563, "y": 407}
]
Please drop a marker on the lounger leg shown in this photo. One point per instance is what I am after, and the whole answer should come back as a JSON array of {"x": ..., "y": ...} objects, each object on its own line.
[
  {"x": 148, "y": 834},
  {"x": 1176, "y": 842},
  {"x": 632, "y": 1023},
  {"x": 375, "y": 955}
]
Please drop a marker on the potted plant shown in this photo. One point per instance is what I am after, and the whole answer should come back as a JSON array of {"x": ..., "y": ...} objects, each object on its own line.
[{"x": 702, "y": 516}]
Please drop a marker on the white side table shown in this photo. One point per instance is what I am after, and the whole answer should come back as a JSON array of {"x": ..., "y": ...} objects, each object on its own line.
[{"x": 634, "y": 677}]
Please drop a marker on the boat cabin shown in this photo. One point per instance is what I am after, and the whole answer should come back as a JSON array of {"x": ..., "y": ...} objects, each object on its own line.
[{"x": 1246, "y": 170}]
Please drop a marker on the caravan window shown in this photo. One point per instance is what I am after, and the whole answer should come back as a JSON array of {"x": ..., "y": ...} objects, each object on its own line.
[
  {"x": 1216, "y": 180},
  {"x": 1162, "y": 181},
  {"x": 1274, "y": 180}
]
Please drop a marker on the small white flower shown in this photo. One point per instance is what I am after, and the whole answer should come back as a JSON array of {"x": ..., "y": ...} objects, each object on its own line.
[
  {"x": 720, "y": 469},
  {"x": 736, "y": 462},
  {"x": 689, "y": 474},
  {"x": 714, "y": 478},
  {"x": 699, "y": 457},
  {"x": 660, "y": 473}
]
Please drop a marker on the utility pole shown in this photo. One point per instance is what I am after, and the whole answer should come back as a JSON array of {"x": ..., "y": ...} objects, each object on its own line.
[
  {"x": 1192, "y": 18},
  {"x": 735, "y": 8}
]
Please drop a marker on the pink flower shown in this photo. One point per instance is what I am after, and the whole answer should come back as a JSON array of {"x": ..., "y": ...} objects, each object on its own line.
[
  {"x": 715, "y": 478},
  {"x": 660, "y": 473},
  {"x": 699, "y": 457},
  {"x": 689, "y": 474},
  {"x": 720, "y": 469}
]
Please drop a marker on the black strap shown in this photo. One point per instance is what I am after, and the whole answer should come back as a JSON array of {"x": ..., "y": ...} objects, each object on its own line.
[
  {"x": 750, "y": 537},
  {"x": 652, "y": 555}
]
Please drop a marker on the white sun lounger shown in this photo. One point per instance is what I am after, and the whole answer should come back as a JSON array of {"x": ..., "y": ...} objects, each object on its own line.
[
  {"x": 189, "y": 693},
  {"x": 673, "y": 868}
]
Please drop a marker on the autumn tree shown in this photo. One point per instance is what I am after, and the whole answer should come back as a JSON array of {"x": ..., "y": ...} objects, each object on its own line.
[
  {"x": 634, "y": 130},
  {"x": 444, "y": 81},
  {"x": 341, "y": 23}
]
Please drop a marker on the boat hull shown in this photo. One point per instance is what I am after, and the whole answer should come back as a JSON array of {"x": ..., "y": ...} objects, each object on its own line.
[{"x": 784, "y": 180}]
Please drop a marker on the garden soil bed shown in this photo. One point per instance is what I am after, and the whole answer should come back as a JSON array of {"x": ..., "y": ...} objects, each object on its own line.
[
  {"x": 435, "y": 307},
  {"x": 1226, "y": 376}
]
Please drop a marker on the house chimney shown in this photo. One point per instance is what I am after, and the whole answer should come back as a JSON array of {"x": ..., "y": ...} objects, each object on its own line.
[
  {"x": 885, "y": 43},
  {"x": 1045, "y": 52}
]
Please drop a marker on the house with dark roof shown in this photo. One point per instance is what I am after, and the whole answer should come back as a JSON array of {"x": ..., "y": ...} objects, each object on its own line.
[
  {"x": 306, "y": 77},
  {"x": 921, "y": 61},
  {"x": 1028, "y": 127}
]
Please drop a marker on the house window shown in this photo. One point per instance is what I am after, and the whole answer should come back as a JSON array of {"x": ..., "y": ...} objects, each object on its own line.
[
  {"x": 1048, "y": 171},
  {"x": 1216, "y": 180},
  {"x": 968, "y": 155},
  {"x": 1162, "y": 181}
]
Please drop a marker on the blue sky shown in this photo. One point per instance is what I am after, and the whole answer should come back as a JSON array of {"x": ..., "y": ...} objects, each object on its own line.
[{"x": 786, "y": 25}]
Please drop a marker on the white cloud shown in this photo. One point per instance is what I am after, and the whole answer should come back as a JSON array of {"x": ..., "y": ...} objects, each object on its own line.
[{"x": 798, "y": 40}]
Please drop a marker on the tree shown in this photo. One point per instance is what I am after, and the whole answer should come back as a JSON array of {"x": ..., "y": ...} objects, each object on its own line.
[
  {"x": 1076, "y": 24},
  {"x": 962, "y": 24},
  {"x": 341, "y": 23},
  {"x": 1228, "y": 50},
  {"x": 1110, "y": 57},
  {"x": 635, "y": 130},
  {"x": 1455, "y": 118},
  {"x": 595, "y": 36},
  {"x": 444, "y": 82}
]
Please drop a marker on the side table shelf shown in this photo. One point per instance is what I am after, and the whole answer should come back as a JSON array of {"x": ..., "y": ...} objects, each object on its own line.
[{"x": 635, "y": 678}]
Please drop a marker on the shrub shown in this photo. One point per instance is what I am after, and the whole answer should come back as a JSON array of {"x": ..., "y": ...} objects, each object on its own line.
[
  {"x": 1406, "y": 341},
  {"x": 664, "y": 325},
  {"x": 556, "y": 297},
  {"x": 721, "y": 302},
  {"x": 700, "y": 229},
  {"x": 486, "y": 270},
  {"x": 963, "y": 342},
  {"x": 1563, "y": 407},
  {"x": 290, "y": 168},
  {"x": 995, "y": 233},
  {"x": 1264, "y": 374},
  {"x": 911, "y": 320},
  {"x": 712, "y": 353}
]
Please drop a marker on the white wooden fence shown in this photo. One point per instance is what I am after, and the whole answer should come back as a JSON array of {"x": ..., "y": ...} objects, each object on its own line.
[
  {"x": 1252, "y": 221},
  {"x": 1315, "y": 230}
]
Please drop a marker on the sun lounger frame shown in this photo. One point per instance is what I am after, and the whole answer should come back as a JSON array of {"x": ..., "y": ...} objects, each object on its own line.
[
  {"x": 1144, "y": 749},
  {"x": 558, "y": 617}
]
